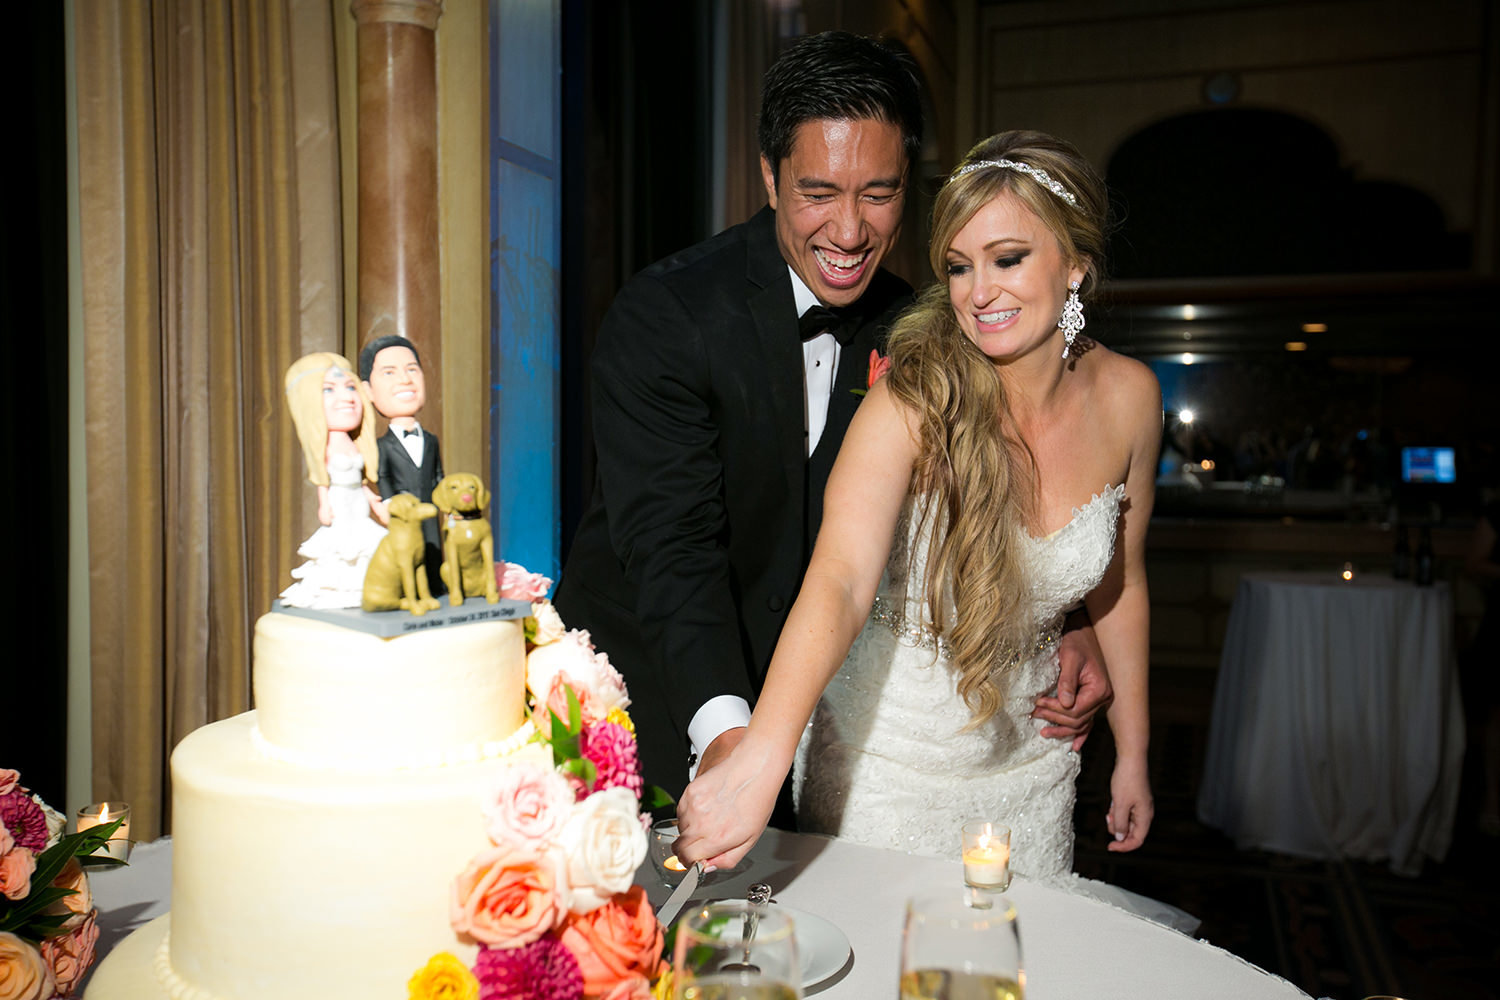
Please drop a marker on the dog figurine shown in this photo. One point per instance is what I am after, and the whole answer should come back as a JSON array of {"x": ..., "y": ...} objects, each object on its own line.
[
  {"x": 397, "y": 577},
  {"x": 468, "y": 546}
]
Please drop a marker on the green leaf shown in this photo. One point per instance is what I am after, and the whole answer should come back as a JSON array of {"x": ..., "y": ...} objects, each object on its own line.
[{"x": 654, "y": 797}]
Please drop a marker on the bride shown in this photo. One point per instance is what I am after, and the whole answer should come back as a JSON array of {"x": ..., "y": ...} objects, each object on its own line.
[{"x": 1012, "y": 462}]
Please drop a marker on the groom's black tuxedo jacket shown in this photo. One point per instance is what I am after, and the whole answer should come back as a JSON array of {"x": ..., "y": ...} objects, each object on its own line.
[
  {"x": 399, "y": 474},
  {"x": 705, "y": 505}
]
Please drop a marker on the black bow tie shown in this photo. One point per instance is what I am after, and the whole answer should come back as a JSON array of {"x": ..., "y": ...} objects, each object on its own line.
[
  {"x": 842, "y": 323},
  {"x": 411, "y": 432}
]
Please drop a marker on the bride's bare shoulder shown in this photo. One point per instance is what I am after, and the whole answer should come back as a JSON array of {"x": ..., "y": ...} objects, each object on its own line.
[{"x": 1126, "y": 386}]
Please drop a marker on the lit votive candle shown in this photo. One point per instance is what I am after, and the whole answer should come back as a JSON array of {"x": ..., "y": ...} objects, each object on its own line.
[
  {"x": 100, "y": 813},
  {"x": 674, "y": 864},
  {"x": 986, "y": 855}
]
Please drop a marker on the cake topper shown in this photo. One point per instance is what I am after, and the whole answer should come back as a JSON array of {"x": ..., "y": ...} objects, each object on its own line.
[
  {"x": 397, "y": 577},
  {"x": 336, "y": 426},
  {"x": 410, "y": 458},
  {"x": 468, "y": 545}
]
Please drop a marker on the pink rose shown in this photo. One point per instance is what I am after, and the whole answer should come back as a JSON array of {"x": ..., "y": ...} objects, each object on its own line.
[
  {"x": 8, "y": 779},
  {"x": 81, "y": 902},
  {"x": 519, "y": 585},
  {"x": 506, "y": 899},
  {"x": 23, "y": 973},
  {"x": 616, "y": 944},
  {"x": 528, "y": 807},
  {"x": 588, "y": 672},
  {"x": 878, "y": 367},
  {"x": 70, "y": 955},
  {"x": 603, "y": 844},
  {"x": 16, "y": 866}
]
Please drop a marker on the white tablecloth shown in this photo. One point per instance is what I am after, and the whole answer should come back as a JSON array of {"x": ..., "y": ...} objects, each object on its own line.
[
  {"x": 1337, "y": 728},
  {"x": 1073, "y": 947}
]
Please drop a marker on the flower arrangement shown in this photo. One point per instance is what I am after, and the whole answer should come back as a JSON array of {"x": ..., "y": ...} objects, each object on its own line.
[
  {"x": 551, "y": 901},
  {"x": 48, "y": 926}
]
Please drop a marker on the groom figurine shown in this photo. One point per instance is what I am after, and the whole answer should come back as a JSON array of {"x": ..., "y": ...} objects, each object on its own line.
[
  {"x": 410, "y": 461},
  {"x": 723, "y": 381}
]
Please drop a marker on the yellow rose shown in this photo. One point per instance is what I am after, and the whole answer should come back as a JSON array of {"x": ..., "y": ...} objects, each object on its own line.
[{"x": 444, "y": 977}]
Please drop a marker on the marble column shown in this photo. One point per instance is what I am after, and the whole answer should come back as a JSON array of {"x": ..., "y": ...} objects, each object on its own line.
[{"x": 399, "y": 273}]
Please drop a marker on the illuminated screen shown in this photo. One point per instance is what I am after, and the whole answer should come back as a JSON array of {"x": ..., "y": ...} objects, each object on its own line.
[{"x": 1427, "y": 465}]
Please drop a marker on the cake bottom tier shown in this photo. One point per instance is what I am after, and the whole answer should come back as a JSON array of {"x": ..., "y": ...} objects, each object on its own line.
[{"x": 296, "y": 883}]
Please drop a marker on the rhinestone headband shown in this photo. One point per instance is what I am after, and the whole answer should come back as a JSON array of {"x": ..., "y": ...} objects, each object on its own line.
[{"x": 1035, "y": 173}]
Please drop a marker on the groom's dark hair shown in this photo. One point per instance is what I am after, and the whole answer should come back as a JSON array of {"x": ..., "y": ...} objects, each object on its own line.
[{"x": 836, "y": 75}]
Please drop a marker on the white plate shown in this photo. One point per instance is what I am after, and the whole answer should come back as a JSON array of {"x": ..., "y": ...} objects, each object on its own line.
[{"x": 821, "y": 947}]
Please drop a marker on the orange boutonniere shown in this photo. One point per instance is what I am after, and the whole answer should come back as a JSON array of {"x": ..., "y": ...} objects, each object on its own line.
[{"x": 879, "y": 365}]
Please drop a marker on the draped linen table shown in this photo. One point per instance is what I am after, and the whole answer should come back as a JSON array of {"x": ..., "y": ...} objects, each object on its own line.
[
  {"x": 1337, "y": 728},
  {"x": 1073, "y": 947}
]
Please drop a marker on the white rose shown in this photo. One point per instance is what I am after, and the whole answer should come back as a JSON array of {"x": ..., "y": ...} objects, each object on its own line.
[
  {"x": 588, "y": 672},
  {"x": 57, "y": 823},
  {"x": 549, "y": 625},
  {"x": 604, "y": 843}
]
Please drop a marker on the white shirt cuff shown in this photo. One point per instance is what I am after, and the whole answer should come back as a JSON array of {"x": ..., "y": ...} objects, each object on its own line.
[{"x": 716, "y": 717}]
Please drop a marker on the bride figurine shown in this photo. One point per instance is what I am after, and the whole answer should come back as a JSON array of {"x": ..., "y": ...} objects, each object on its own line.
[{"x": 336, "y": 425}]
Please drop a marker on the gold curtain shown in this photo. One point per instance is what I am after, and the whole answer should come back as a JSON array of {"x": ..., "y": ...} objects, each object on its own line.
[
  {"x": 752, "y": 31},
  {"x": 211, "y": 259}
]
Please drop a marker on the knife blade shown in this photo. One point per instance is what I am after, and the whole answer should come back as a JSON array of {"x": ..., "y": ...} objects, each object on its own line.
[{"x": 680, "y": 895}]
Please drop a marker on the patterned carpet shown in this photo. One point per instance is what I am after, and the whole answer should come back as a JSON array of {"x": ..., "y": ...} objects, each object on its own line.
[{"x": 1344, "y": 930}]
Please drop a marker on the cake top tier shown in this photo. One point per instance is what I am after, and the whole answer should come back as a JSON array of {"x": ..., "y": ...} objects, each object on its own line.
[{"x": 332, "y": 697}]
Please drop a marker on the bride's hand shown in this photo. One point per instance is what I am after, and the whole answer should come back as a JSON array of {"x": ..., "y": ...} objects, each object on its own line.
[
  {"x": 1130, "y": 808},
  {"x": 724, "y": 810}
]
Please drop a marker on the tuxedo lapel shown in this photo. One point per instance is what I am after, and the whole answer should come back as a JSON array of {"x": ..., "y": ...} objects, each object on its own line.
[{"x": 774, "y": 312}]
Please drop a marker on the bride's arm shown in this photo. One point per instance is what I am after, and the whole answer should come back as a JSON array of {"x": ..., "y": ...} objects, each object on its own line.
[
  {"x": 1120, "y": 608},
  {"x": 724, "y": 810}
]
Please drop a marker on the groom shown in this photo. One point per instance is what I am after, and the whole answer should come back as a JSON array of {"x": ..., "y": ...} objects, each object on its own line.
[{"x": 723, "y": 381}]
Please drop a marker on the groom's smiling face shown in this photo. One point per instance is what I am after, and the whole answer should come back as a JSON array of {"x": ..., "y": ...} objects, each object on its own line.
[{"x": 838, "y": 198}]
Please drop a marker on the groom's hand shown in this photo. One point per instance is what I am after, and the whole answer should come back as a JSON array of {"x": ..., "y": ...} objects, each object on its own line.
[{"x": 1083, "y": 685}]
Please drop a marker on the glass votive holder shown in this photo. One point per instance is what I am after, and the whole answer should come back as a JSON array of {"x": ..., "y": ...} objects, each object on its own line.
[
  {"x": 986, "y": 855},
  {"x": 663, "y": 857},
  {"x": 99, "y": 813}
]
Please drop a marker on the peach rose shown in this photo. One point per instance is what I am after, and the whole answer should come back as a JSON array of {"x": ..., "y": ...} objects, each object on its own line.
[
  {"x": 8, "y": 779},
  {"x": 528, "y": 807},
  {"x": 16, "y": 866},
  {"x": 506, "y": 898},
  {"x": 81, "y": 902},
  {"x": 23, "y": 973},
  {"x": 588, "y": 671},
  {"x": 70, "y": 955},
  {"x": 634, "y": 988},
  {"x": 616, "y": 944},
  {"x": 604, "y": 844}
]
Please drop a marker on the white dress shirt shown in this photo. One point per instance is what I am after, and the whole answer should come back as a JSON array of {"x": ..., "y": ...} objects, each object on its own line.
[{"x": 820, "y": 360}]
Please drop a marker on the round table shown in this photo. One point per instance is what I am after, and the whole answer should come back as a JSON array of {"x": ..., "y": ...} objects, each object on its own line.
[
  {"x": 1073, "y": 946},
  {"x": 1337, "y": 727}
]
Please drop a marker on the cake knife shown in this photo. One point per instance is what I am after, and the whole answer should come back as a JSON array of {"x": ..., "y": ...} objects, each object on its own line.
[{"x": 679, "y": 897}]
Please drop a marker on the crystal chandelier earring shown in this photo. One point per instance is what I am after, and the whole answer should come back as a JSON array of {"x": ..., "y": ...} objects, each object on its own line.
[{"x": 1072, "y": 318}]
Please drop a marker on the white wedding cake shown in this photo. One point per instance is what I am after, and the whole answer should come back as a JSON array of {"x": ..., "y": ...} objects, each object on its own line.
[{"x": 314, "y": 839}]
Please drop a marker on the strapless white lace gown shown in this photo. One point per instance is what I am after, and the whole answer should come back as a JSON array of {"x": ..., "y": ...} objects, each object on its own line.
[
  {"x": 886, "y": 759},
  {"x": 338, "y": 554}
]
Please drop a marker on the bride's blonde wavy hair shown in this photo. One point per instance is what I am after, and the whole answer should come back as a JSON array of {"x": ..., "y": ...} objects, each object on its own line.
[{"x": 978, "y": 476}]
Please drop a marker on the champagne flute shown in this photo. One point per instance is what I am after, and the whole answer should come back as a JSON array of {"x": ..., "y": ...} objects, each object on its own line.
[
  {"x": 961, "y": 945},
  {"x": 736, "y": 950}
]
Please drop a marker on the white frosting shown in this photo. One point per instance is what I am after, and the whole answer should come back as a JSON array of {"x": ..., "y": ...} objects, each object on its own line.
[
  {"x": 328, "y": 695},
  {"x": 306, "y": 873}
]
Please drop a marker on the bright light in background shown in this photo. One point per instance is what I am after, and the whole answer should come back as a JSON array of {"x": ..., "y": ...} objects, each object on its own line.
[
  {"x": 1189, "y": 313},
  {"x": 1314, "y": 327},
  {"x": 1207, "y": 465},
  {"x": 1186, "y": 416},
  {"x": 1348, "y": 573},
  {"x": 1187, "y": 358},
  {"x": 1296, "y": 345}
]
